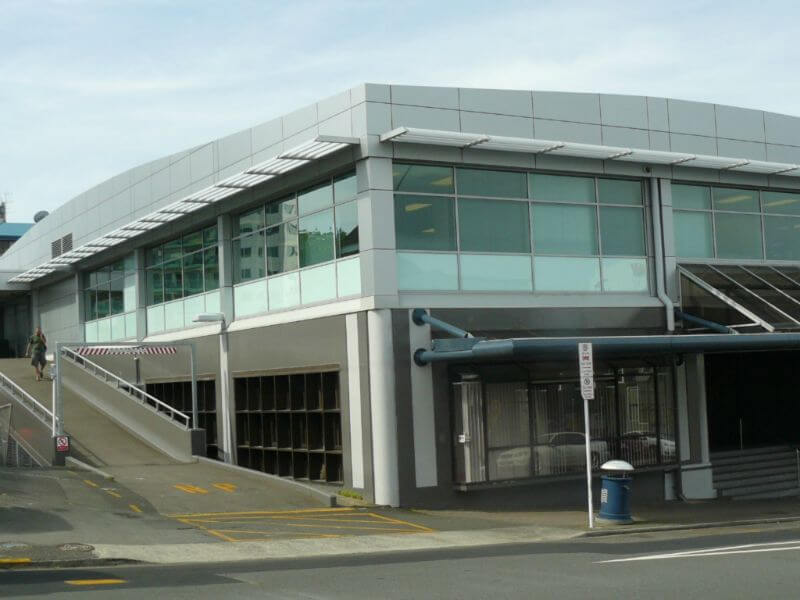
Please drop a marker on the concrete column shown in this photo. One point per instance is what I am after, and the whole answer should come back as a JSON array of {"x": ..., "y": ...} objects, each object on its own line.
[
  {"x": 141, "y": 293},
  {"x": 34, "y": 310},
  {"x": 225, "y": 250},
  {"x": 423, "y": 414},
  {"x": 226, "y": 431},
  {"x": 79, "y": 306},
  {"x": 697, "y": 476},
  {"x": 696, "y": 387},
  {"x": 384, "y": 409},
  {"x": 354, "y": 357}
]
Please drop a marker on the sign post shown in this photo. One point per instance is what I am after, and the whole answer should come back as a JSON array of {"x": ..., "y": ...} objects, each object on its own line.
[{"x": 586, "y": 370}]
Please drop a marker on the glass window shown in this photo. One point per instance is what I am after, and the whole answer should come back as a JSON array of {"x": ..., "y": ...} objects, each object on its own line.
[
  {"x": 423, "y": 178},
  {"x": 418, "y": 271},
  {"x": 622, "y": 231},
  {"x": 691, "y": 196},
  {"x": 348, "y": 277},
  {"x": 284, "y": 291},
  {"x": 494, "y": 226},
  {"x": 248, "y": 257},
  {"x": 625, "y": 275},
  {"x": 784, "y": 203},
  {"x": 130, "y": 293},
  {"x": 155, "y": 256},
  {"x": 738, "y": 236},
  {"x": 424, "y": 223},
  {"x": 117, "y": 269},
  {"x": 210, "y": 236},
  {"x": 282, "y": 248},
  {"x": 103, "y": 275},
  {"x": 783, "y": 238},
  {"x": 494, "y": 272},
  {"x": 315, "y": 198},
  {"x": 282, "y": 210},
  {"x": 316, "y": 238},
  {"x": 192, "y": 242},
  {"x": 251, "y": 221},
  {"x": 155, "y": 286},
  {"x": 173, "y": 280},
  {"x": 250, "y": 298},
  {"x": 502, "y": 184},
  {"x": 564, "y": 229},
  {"x": 346, "y": 229},
  {"x": 693, "y": 236},
  {"x": 103, "y": 301},
  {"x": 557, "y": 274},
  {"x": 318, "y": 284},
  {"x": 193, "y": 274},
  {"x": 619, "y": 191},
  {"x": 345, "y": 188},
  {"x": 559, "y": 188},
  {"x": 735, "y": 200},
  {"x": 211, "y": 269},
  {"x": 172, "y": 250},
  {"x": 117, "y": 295},
  {"x": 91, "y": 304}
]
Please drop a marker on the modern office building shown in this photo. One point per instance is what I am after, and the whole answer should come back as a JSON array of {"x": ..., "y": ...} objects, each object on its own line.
[{"x": 667, "y": 232}]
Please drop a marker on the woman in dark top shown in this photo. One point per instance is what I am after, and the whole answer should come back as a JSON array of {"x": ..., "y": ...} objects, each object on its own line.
[{"x": 37, "y": 346}]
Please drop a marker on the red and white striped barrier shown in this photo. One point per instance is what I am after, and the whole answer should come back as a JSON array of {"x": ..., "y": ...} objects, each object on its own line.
[{"x": 128, "y": 350}]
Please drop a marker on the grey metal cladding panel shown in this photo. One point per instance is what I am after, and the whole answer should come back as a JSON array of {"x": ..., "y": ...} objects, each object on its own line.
[
  {"x": 435, "y": 97},
  {"x": 657, "y": 114},
  {"x": 160, "y": 184},
  {"x": 501, "y": 102},
  {"x": 623, "y": 111},
  {"x": 494, "y": 124},
  {"x": 340, "y": 124},
  {"x": 625, "y": 137},
  {"x": 234, "y": 148},
  {"x": 299, "y": 120},
  {"x": 566, "y": 132},
  {"x": 563, "y": 106},
  {"x": 782, "y": 129},
  {"x": 202, "y": 162},
  {"x": 740, "y": 123},
  {"x": 180, "y": 174},
  {"x": 372, "y": 118},
  {"x": 426, "y": 118},
  {"x": 659, "y": 140},
  {"x": 267, "y": 134},
  {"x": 333, "y": 105},
  {"x": 370, "y": 92},
  {"x": 695, "y": 144},
  {"x": 739, "y": 149},
  {"x": 785, "y": 154},
  {"x": 696, "y": 118}
]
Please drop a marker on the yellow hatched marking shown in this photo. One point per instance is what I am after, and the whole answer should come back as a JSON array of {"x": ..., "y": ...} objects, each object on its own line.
[
  {"x": 14, "y": 561},
  {"x": 271, "y": 536},
  {"x": 94, "y": 581},
  {"x": 263, "y": 512},
  {"x": 190, "y": 489},
  {"x": 206, "y": 529},
  {"x": 225, "y": 487},
  {"x": 135, "y": 508},
  {"x": 90, "y": 483},
  {"x": 405, "y": 523}
]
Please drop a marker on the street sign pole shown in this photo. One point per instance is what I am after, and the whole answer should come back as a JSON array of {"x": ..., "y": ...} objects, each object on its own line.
[{"x": 586, "y": 369}]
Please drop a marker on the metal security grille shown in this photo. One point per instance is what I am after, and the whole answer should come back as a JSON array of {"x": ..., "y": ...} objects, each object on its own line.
[{"x": 55, "y": 248}]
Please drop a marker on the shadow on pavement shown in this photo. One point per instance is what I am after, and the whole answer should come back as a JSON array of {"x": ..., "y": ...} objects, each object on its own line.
[{"x": 26, "y": 520}]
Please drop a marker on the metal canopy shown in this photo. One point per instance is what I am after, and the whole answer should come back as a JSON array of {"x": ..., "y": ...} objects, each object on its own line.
[
  {"x": 743, "y": 297},
  {"x": 294, "y": 158},
  {"x": 480, "y": 141}
]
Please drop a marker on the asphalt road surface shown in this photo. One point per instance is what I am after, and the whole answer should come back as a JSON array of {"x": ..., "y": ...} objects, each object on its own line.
[{"x": 752, "y": 562}]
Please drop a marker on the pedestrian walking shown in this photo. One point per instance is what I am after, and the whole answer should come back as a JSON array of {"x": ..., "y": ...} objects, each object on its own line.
[{"x": 37, "y": 346}]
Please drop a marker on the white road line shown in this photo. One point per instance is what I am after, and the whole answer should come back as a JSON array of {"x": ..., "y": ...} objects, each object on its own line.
[{"x": 720, "y": 551}]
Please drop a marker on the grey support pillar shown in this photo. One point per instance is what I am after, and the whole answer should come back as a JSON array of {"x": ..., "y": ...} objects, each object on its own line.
[
  {"x": 225, "y": 249},
  {"x": 141, "y": 293},
  {"x": 376, "y": 236},
  {"x": 697, "y": 480},
  {"x": 34, "y": 310},
  {"x": 422, "y": 407},
  {"x": 226, "y": 431},
  {"x": 80, "y": 307}
]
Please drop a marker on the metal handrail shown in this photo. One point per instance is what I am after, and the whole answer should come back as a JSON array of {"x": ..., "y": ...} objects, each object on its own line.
[
  {"x": 125, "y": 386},
  {"x": 36, "y": 408}
]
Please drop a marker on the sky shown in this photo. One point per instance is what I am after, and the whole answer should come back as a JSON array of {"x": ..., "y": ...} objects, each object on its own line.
[{"x": 90, "y": 88}]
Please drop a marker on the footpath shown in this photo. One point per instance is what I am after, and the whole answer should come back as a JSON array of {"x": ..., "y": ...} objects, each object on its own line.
[{"x": 166, "y": 514}]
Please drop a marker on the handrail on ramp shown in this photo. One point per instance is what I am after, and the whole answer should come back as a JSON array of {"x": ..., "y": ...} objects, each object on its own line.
[
  {"x": 36, "y": 408},
  {"x": 143, "y": 397}
]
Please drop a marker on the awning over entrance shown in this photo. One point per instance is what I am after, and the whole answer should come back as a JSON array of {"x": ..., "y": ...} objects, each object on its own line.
[{"x": 748, "y": 299}]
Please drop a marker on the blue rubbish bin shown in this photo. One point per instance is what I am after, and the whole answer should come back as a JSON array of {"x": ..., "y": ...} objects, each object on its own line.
[{"x": 615, "y": 495}]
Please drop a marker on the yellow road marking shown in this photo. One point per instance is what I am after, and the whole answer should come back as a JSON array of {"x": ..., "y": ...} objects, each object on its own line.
[
  {"x": 206, "y": 529},
  {"x": 406, "y": 523},
  {"x": 113, "y": 493},
  {"x": 93, "y": 581},
  {"x": 263, "y": 512},
  {"x": 135, "y": 508},
  {"x": 14, "y": 561},
  {"x": 190, "y": 489},
  {"x": 91, "y": 483},
  {"x": 271, "y": 537},
  {"x": 225, "y": 487}
]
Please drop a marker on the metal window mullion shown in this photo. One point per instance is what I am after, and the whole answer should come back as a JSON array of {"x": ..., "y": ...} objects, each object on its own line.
[
  {"x": 752, "y": 293},
  {"x": 747, "y": 270},
  {"x": 763, "y": 223}
]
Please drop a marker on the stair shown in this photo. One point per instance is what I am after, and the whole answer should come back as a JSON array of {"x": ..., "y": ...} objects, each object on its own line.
[{"x": 756, "y": 474}]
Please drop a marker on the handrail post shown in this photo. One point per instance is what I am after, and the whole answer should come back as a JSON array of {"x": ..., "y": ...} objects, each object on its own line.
[
  {"x": 193, "y": 368},
  {"x": 797, "y": 457}
]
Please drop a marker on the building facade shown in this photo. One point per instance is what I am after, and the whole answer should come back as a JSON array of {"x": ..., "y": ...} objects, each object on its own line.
[{"x": 509, "y": 214}]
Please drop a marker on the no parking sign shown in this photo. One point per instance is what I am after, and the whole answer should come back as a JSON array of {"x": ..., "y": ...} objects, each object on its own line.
[{"x": 62, "y": 443}]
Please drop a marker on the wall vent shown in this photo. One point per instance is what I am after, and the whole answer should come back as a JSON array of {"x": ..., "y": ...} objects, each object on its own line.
[
  {"x": 55, "y": 248},
  {"x": 66, "y": 243}
]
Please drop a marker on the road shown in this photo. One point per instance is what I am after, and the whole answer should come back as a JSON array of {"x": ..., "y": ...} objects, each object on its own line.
[{"x": 748, "y": 562}]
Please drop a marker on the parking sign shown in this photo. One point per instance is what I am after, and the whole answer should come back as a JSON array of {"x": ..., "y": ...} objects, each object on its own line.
[{"x": 586, "y": 369}]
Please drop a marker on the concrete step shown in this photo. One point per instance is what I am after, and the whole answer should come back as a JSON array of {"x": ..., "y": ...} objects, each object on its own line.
[
  {"x": 788, "y": 470},
  {"x": 751, "y": 451},
  {"x": 755, "y": 458},
  {"x": 754, "y": 467},
  {"x": 795, "y": 491},
  {"x": 762, "y": 488},
  {"x": 756, "y": 480}
]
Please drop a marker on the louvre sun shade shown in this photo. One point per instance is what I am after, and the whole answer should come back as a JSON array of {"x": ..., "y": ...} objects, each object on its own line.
[
  {"x": 748, "y": 299},
  {"x": 289, "y": 160}
]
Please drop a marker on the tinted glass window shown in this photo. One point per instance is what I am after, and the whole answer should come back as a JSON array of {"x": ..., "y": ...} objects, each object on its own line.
[
  {"x": 731, "y": 199},
  {"x": 503, "y": 184},
  {"x": 564, "y": 229},
  {"x": 424, "y": 223},
  {"x": 423, "y": 178},
  {"x": 691, "y": 196},
  {"x": 619, "y": 191},
  {"x": 493, "y": 226},
  {"x": 316, "y": 238},
  {"x": 559, "y": 188}
]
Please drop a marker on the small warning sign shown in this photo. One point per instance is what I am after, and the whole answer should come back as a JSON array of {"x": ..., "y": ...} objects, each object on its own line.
[{"x": 62, "y": 443}]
